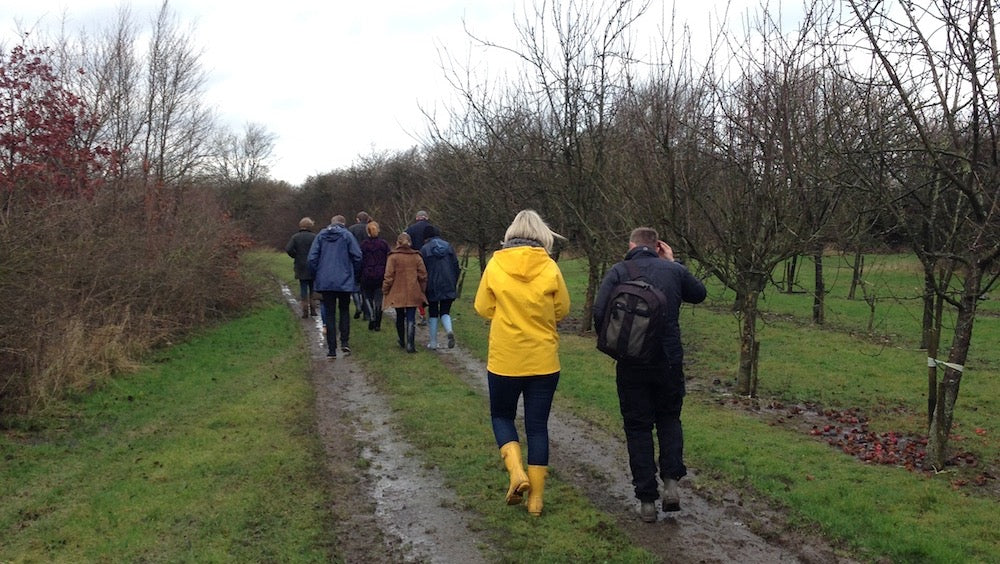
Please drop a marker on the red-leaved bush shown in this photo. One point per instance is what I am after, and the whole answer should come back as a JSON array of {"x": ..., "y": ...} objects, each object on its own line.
[{"x": 93, "y": 273}]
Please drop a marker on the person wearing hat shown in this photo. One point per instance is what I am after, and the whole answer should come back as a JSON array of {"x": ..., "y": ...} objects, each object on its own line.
[
  {"x": 298, "y": 248},
  {"x": 442, "y": 281}
]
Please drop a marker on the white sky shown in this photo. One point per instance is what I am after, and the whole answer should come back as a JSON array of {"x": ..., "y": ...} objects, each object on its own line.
[{"x": 332, "y": 79}]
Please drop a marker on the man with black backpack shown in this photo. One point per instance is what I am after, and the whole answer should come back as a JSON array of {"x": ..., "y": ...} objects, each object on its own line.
[{"x": 650, "y": 387}]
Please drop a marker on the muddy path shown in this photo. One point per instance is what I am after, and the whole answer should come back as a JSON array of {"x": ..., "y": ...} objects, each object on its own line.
[{"x": 390, "y": 508}]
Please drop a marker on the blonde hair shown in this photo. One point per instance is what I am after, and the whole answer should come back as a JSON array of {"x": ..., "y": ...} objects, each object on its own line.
[
  {"x": 528, "y": 224},
  {"x": 372, "y": 229},
  {"x": 404, "y": 239},
  {"x": 306, "y": 223}
]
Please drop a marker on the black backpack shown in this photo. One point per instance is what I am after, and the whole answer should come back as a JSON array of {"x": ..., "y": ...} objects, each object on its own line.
[{"x": 634, "y": 322}]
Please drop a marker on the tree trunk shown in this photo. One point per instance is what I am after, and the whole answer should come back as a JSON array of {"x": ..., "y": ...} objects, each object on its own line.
[
  {"x": 819, "y": 295},
  {"x": 947, "y": 389},
  {"x": 749, "y": 347},
  {"x": 791, "y": 269},
  {"x": 593, "y": 283},
  {"x": 930, "y": 291},
  {"x": 483, "y": 254},
  {"x": 932, "y": 382},
  {"x": 857, "y": 270}
]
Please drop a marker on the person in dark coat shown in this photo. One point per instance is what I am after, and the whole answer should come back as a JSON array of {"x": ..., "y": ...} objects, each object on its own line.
[
  {"x": 652, "y": 394},
  {"x": 442, "y": 281},
  {"x": 335, "y": 257},
  {"x": 416, "y": 233},
  {"x": 374, "y": 254},
  {"x": 417, "y": 228},
  {"x": 298, "y": 248},
  {"x": 359, "y": 230}
]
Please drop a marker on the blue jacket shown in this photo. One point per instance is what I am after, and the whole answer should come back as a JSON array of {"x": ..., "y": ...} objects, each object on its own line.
[
  {"x": 442, "y": 269},
  {"x": 335, "y": 257},
  {"x": 672, "y": 278}
]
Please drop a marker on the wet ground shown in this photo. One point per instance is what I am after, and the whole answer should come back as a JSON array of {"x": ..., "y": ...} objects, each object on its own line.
[{"x": 391, "y": 509}]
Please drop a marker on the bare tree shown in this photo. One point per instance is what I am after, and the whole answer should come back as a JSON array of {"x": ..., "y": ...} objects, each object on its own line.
[
  {"x": 760, "y": 130},
  {"x": 941, "y": 60},
  {"x": 177, "y": 126},
  {"x": 575, "y": 59},
  {"x": 112, "y": 83},
  {"x": 242, "y": 158}
]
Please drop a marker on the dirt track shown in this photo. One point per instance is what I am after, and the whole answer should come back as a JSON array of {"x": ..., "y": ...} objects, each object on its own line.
[{"x": 396, "y": 510}]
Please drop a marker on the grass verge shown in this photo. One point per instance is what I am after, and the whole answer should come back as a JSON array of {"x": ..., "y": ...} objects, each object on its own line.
[{"x": 206, "y": 455}]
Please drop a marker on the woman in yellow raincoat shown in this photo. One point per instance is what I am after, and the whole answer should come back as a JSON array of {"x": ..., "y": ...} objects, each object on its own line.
[{"x": 523, "y": 293}]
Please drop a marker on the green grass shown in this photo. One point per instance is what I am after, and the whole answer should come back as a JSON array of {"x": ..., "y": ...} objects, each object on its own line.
[
  {"x": 206, "y": 455},
  {"x": 879, "y": 512}
]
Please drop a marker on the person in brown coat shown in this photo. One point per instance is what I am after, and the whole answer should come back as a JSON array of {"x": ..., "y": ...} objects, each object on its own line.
[{"x": 403, "y": 287}]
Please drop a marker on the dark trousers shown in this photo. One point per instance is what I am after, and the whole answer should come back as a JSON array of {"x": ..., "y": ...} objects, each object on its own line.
[
  {"x": 651, "y": 396},
  {"x": 538, "y": 392},
  {"x": 437, "y": 309},
  {"x": 338, "y": 317}
]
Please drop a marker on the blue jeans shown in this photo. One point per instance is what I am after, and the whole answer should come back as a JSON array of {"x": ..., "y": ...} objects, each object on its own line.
[
  {"x": 538, "y": 392},
  {"x": 652, "y": 396}
]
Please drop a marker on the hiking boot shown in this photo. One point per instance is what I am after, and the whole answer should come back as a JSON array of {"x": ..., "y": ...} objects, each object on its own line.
[
  {"x": 451, "y": 340},
  {"x": 647, "y": 511},
  {"x": 670, "y": 495},
  {"x": 346, "y": 350}
]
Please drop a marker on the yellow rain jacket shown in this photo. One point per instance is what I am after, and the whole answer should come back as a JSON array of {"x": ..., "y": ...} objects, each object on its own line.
[{"x": 523, "y": 293}]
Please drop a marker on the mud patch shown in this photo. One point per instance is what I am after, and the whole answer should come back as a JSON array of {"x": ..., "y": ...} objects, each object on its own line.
[
  {"x": 390, "y": 508},
  {"x": 712, "y": 527}
]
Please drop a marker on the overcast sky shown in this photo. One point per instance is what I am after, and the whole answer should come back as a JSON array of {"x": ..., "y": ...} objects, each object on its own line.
[{"x": 333, "y": 80}]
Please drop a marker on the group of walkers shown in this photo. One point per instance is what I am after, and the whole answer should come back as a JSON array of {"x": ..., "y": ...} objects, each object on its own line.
[
  {"x": 354, "y": 264},
  {"x": 523, "y": 294}
]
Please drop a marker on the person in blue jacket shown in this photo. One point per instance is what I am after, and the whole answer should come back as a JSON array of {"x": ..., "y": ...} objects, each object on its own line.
[
  {"x": 442, "y": 280},
  {"x": 335, "y": 258}
]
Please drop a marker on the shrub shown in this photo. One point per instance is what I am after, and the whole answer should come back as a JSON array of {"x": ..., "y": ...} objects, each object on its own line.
[{"x": 89, "y": 285}]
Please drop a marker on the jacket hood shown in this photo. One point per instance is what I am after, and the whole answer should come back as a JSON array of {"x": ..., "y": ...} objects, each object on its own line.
[
  {"x": 403, "y": 249},
  {"x": 522, "y": 263},
  {"x": 641, "y": 252},
  {"x": 333, "y": 232},
  {"x": 436, "y": 247}
]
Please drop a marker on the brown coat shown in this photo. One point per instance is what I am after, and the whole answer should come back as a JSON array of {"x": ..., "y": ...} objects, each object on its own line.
[{"x": 405, "y": 279}]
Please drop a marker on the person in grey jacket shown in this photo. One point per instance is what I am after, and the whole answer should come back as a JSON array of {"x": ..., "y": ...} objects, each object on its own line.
[
  {"x": 335, "y": 257},
  {"x": 442, "y": 281},
  {"x": 652, "y": 394},
  {"x": 298, "y": 248}
]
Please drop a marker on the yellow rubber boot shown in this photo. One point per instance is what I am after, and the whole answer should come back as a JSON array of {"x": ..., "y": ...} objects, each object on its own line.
[
  {"x": 536, "y": 477},
  {"x": 519, "y": 484}
]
